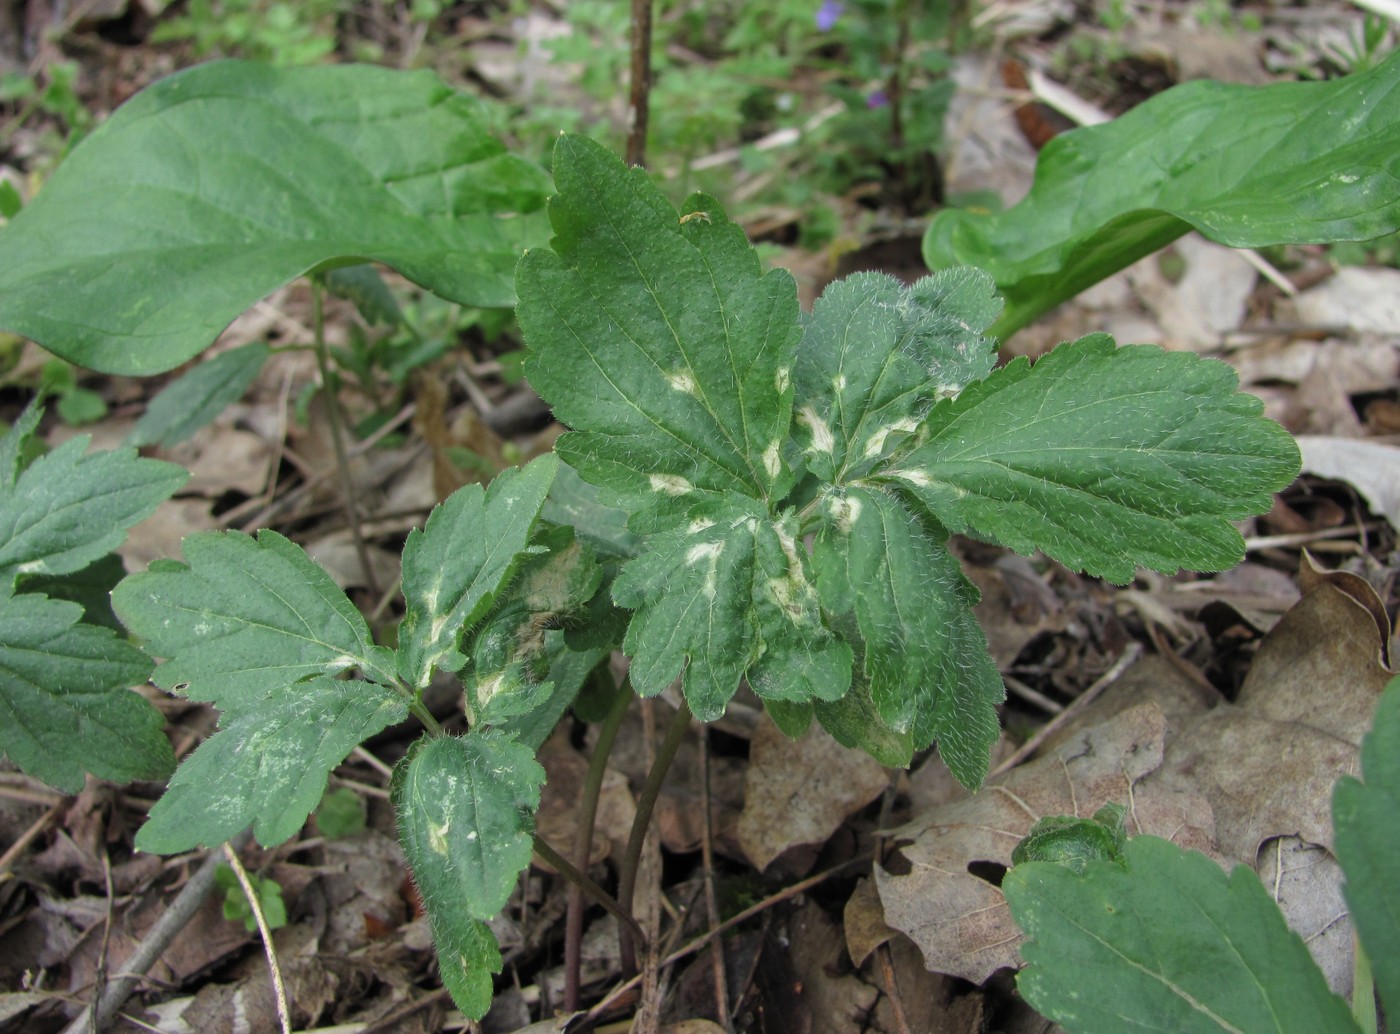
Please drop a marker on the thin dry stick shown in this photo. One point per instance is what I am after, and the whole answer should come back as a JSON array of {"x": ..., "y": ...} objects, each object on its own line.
[
  {"x": 167, "y": 928},
  {"x": 639, "y": 101},
  {"x": 901, "y": 1020},
  {"x": 283, "y": 1014},
  {"x": 707, "y": 856},
  {"x": 1124, "y": 661},
  {"x": 17, "y": 848},
  {"x": 743, "y": 917}
]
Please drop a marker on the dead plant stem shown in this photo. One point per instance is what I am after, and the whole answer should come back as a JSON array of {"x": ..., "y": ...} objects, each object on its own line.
[
  {"x": 639, "y": 99},
  {"x": 279, "y": 987}
]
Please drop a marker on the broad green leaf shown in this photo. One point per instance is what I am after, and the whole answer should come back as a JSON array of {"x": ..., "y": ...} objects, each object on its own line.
[
  {"x": 925, "y": 658},
  {"x": 1104, "y": 458},
  {"x": 68, "y": 509},
  {"x": 246, "y": 616},
  {"x": 657, "y": 337},
  {"x": 235, "y": 178},
  {"x": 466, "y": 821},
  {"x": 1368, "y": 846},
  {"x": 268, "y": 763},
  {"x": 456, "y": 567},
  {"x": 725, "y": 595},
  {"x": 1247, "y": 166},
  {"x": 854, "y": 721},
  {"x": 193, "y": 400},
  {"x": 876, "y": 355},
  {"x": 569, "y": 670},
  {"x": 509, "y": 652},
  {"x": 1165, "y": 942},
  {"x": 65, "y": 705},
  {"x": 1074, "y": 842},
  {"x": 365, "y": 288}
]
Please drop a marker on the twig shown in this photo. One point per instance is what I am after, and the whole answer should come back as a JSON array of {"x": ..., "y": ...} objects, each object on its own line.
[
  {"x": 278, "y": 987},
  {"x": 639, "y": 100},
  {"x": 1124, "y": 661},
  {"x": 38, "y": 826},
  {"x": 693, "y": 946},
  {"x": 646, "y": 806},
  {"x": 342, "y": 461},
  {"x": 566, "y": 868},
  {"x": 707, "y": 855},
  {"x": 901, "y": 1020},
  {"x": 583, "y": 842},
  {"x": 153, "y": 945}
]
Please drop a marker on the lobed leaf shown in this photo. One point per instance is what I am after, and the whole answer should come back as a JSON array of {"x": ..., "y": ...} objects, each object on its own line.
[
  {"x": 244, "y": 616},
  {"x": 728, "y": 594},
  {"x": 1104, "y": 458},
  {"x": 68, "y": 509},
  {"x": 268, "y": 763},
  {"x": 1368, "y": 846},
  {"x": 660, "y": 340},
  {"x": 236, "y": 178},
  {"x": 1247, "y": 166},
  {"x": 466, "y": 821},
  {"x": 876, "y": 355},
  {"x": 925, "y": 658},
  {"x": 457, "y": 566},
  {"x": 65, "y": 705},
  {"x": 1164, "y": 940}
]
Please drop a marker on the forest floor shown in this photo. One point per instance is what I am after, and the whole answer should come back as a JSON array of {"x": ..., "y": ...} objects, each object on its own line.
[{"x": 1221, "y": 707}]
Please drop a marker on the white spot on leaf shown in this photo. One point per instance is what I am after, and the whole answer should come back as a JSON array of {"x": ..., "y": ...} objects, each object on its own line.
[
  {"x": 772, "y": 458},
  {"x": 782, "y": 379},
  {"x": 682, "y": 381},
  {"x": 876, "y": 445},
  {"x": 698, "y": 525},
  {"x": 670, "y": 484},
  {"x": 822, "y": 441}
]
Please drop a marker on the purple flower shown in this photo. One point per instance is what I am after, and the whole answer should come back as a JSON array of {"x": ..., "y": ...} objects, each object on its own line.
[
  {"x": 878, "y": 99},
  {"x": 827, "y": 15}
]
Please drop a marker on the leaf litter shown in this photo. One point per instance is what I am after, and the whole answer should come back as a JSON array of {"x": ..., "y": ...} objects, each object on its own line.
[{"x": 1230, "y": 744}]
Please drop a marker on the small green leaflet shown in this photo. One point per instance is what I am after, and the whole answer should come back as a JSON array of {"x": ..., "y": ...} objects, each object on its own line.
[
  {"x": 194, "y": 399},
  {"x": 1105, "y": 458},
  {"x": 876, "y": 355},
  {"x": 1164, "y": 940},
  {"x": 65, "y": 706},
  {"x": 925, "y": 657},
  {"x": 258, "y": 629},
  {"x": 659, "y": 339},
  {"x": 1368, "y": 846},
  {"x": 726, "y": 594},
  {"x": 456, "y": 567},
  {"x": 70, "y": 507},
  {"x": 466, "y": 809}
]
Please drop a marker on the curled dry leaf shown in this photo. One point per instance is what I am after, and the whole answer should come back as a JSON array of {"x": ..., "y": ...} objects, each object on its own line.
[
  {"x": 957, "y": 918},
  {"x": 1372, "y": 468},
  {"x": 800, "y": 791}
]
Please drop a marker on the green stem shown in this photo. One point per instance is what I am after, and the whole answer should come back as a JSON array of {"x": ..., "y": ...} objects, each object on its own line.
[
  {"x": 583, "y": 841},
  {"x": 1363, "y": 989},
  {"x": 337, "y": 422},
  {"x": 420, "y": 711},
  {"x": 646, "y": 804},
  {"x": 566, "y": 869}
]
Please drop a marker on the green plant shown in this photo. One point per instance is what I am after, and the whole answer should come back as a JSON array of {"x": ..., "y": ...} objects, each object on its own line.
[
  {"x": 282, "y": 33},
  {"x": 747, "y": 493},
  {"x": 1245, "y": 166},
  {"x": 65, "y": 669},
  {"x": 237, "y": 906},
  {"x": 1144, "y": 935}
]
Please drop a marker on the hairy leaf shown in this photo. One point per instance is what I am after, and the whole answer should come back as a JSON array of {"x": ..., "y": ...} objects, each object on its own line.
[
  {"x": 244, "y": 616},
  {"x": 195, "y": 399},
  {"x": 925, "y": 658},
  {"x": 659, "y": 339},
  {"x": 91, "y": 588},
  {"x": 236, "y": 178},
  {"x": 13, "y": 443},
  {"x": 65, "y": 705},
  {"x": 1103, "y": 457},
  {"x": 1247, "y": 166},
  {"x": 876, "y": 355},
  {"x": 1164, "y": 940},
  {"x": 68, "y": 509},
  {"x": 456, "y": 567},
  {"x": 726, "y": 594},
  {"x": 466, "y": 821},
  {"x": 1368, "y": 846},
  {"x": 268, "y": 763}
]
